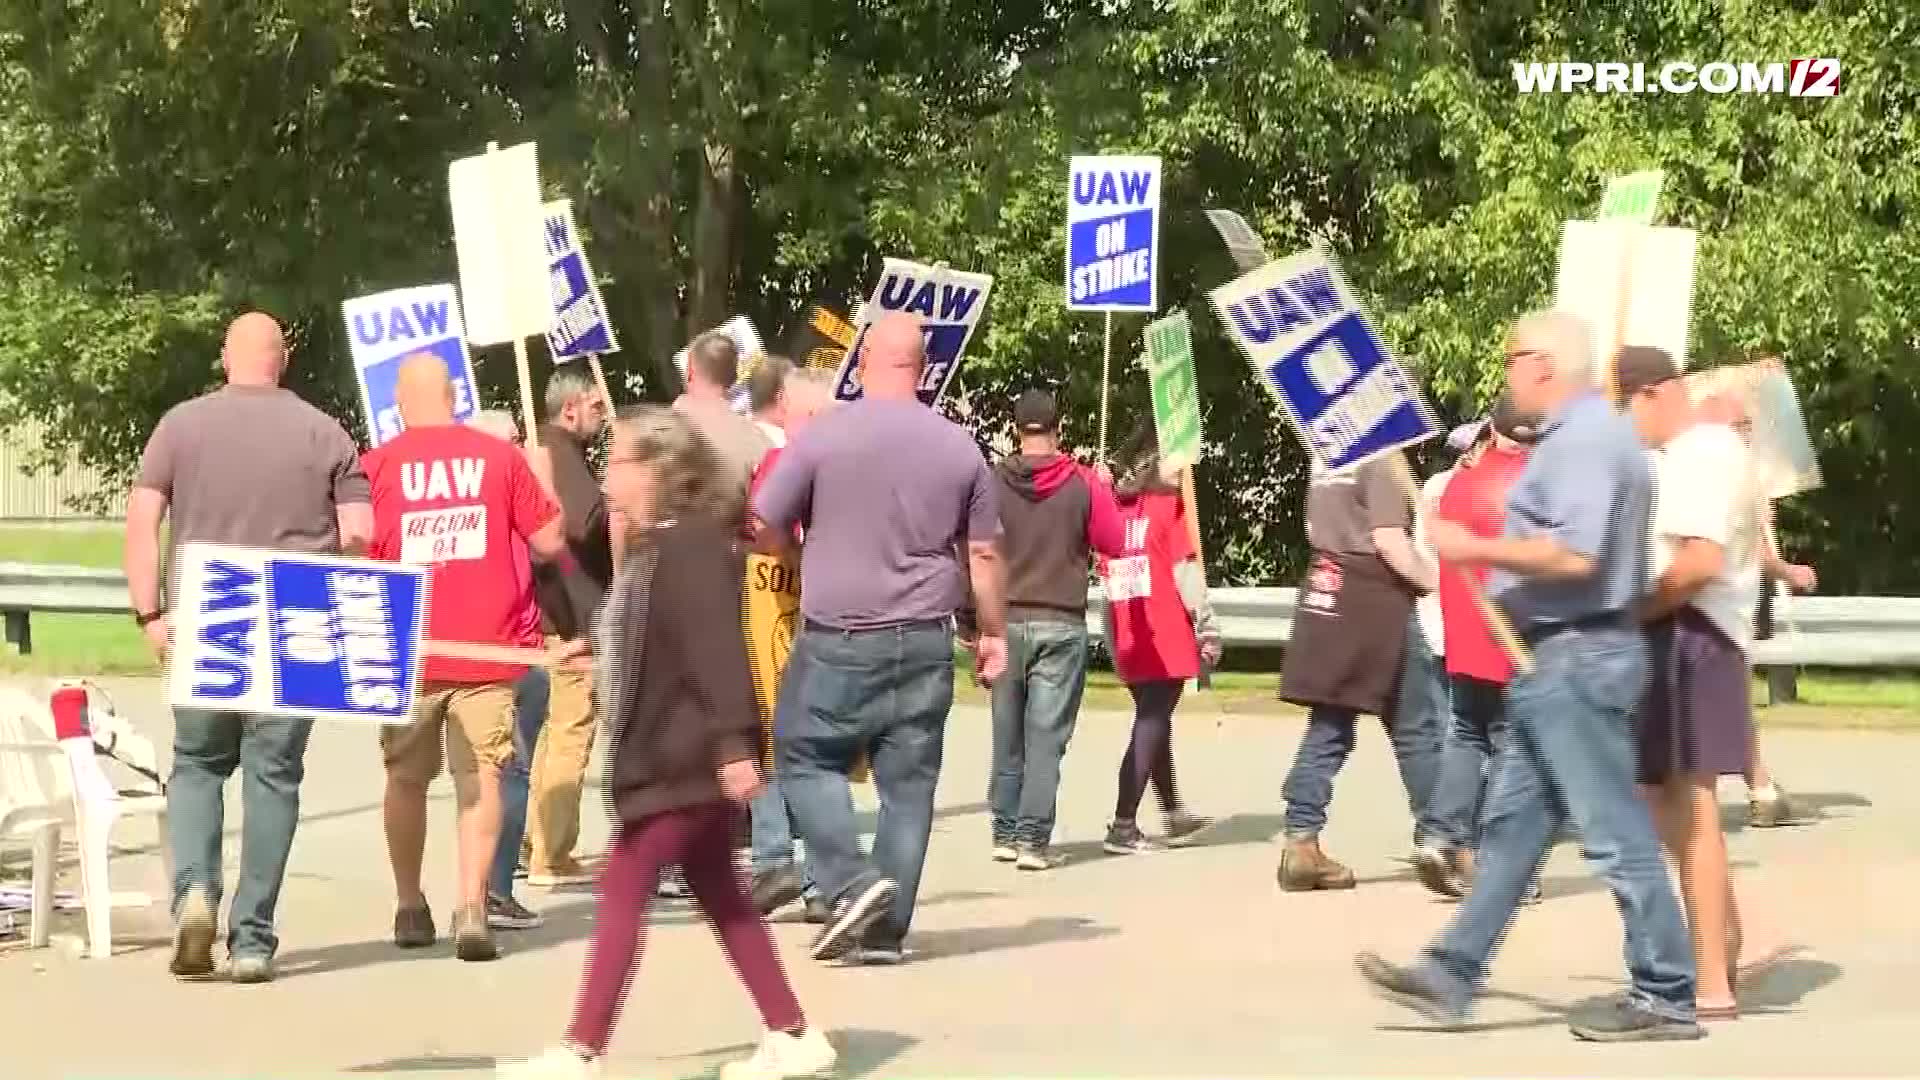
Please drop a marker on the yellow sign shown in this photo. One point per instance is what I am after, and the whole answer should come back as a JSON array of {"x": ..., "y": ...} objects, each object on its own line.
[{"x": 772, "y": 619}]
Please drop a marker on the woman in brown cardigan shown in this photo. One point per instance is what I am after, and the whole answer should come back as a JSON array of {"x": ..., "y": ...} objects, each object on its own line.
[{"x": 676, "y": 695}]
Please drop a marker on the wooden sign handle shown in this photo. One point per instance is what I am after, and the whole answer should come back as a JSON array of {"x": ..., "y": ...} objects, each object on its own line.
[{"x": 1497, "y": 622}]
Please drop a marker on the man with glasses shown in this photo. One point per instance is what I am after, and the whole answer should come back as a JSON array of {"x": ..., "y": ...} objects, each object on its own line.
[{"x": 1571, "y": 571}]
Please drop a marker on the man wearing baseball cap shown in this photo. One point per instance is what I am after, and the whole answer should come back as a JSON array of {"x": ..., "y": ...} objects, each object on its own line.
[
  {"x": 1054, "y": 512},
  {"x": 1695, "y": 724}
]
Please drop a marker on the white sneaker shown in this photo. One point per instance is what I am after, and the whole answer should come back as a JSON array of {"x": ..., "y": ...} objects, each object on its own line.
[
  {"x": 783, "y": 1057},
  {"x": 557, "y": 1063}
]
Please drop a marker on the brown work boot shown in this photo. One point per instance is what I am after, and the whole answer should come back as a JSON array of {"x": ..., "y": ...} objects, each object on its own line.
[{"x": 1305, "y": 868}]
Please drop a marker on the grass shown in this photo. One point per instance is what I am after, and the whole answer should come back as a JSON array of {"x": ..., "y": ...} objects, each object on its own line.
[
  {"x": 75, "y": 644},
  {"x": 106, "y": 645}
]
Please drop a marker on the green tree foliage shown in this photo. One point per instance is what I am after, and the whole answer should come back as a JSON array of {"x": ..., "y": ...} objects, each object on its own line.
[{"x": 164, "y": 162}]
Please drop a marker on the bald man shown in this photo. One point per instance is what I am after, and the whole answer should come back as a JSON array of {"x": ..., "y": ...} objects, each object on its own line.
[
  {"x": 890, "y": 493},
  {"x": 466, "y": 504},
  {"x": 1571, "y": 571},
  {"x": 249, "y": 464}
]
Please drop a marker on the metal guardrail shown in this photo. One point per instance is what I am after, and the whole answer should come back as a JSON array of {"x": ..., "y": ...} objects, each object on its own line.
[
  {"x": 1814, "y": 631},
  {"x": 1810, "y": 631}
]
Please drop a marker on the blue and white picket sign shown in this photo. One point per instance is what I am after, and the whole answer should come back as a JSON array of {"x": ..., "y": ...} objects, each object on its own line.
[
  {"x": 387, "y": 327},
  {"x": 273, "y": 633},
  {"x": 580, "y": 323},
  {"x": 1312, "y": 346},
  {"x": 1113, "y": 233},
  {"x": 950, "y": 304}
]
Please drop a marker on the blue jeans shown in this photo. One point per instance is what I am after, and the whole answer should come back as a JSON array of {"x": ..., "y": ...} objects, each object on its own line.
[
  {"x": 1035, "y": 705},
  {"x": 888, "y": 692},
  {"x": 1569, "y": 756},
  {"x": 271, "y": 755},
  {"x": 1478, "y": 730},
  {"x": 1414, "y": 731},
  {"x": 529, "y": 716},
  {"x": 772, "y": 834}
]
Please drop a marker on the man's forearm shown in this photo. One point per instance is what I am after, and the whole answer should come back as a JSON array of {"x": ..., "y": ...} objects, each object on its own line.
[
  {"x": 1535, "y": 557},
  {"x": 989, "y": 593},
  {"x": 1396, "y": 550},
  {"x": 142, "y": 565}
]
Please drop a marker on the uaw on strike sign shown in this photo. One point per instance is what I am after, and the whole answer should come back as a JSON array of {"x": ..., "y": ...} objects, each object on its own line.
[
  {"x": 1113, "y": 233},
  {"x": 1312, "y": 347},
  {"x": 385, "y": 328},
  {"x": 580, "y": 323},
  {"x": 271, "y": 633},
  {"x": 950, "y": 304}
]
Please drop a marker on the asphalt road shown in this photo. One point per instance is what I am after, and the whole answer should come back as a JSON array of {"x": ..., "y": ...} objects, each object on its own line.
[{"x": 1187, "y": 963}]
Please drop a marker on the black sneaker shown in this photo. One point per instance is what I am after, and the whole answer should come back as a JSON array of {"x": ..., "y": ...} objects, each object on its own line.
[
  {"x": 472, "y": 936},
  {"x": 1184, "y": 828},
  {"x": 1404, "y": 986},
  {"x": 193, "y": 937},
  {"x": 855, "y": 912},
  {"x": 818, "y": 912},
  {"x": 506, "y": 913},
  {"x": 1439, "y": 872},
  {"x": 1619, "y": 1020},
  {"x": 1125, "y": 838},
  {"x": 880, "y": 950},
  {"x": 413, "y": 927},
  {"x": 776, "y": 888}
]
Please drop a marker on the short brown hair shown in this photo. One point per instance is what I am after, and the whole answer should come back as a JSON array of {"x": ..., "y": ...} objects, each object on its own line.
[{"x": 715, "y": 356}]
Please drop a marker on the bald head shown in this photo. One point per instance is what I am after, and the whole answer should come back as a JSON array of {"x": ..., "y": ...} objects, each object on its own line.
[
  {"x": 424, "y": 391},
  {"x": 255, "y": 352},
  {"x": 892, "y": 352}
]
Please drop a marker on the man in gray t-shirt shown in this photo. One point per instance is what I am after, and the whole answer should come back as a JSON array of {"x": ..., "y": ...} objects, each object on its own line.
[
  {"x": 890, "y": 492},
  {"x": 249, "y": 464}
]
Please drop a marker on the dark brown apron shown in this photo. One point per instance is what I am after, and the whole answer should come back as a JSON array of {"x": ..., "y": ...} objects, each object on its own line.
[{"x": 1349, "y": 635}]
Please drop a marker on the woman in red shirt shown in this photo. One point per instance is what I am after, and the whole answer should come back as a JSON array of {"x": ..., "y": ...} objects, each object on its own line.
[
  {"x": 1478, "y": 670},
  {"x": 1160, "y": 629}
]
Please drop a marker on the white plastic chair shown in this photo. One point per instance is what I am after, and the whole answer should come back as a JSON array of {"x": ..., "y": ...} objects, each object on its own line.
[{"x": 50, "y": 778}]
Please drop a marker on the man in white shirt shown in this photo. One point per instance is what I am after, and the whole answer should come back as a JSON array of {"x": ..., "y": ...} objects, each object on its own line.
[{"x": 1697, "y": 720}]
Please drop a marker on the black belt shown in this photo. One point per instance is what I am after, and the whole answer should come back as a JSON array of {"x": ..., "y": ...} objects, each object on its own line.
[
  {"x": 1539, "y": 632},
  {"x": 815, "y": 627}
]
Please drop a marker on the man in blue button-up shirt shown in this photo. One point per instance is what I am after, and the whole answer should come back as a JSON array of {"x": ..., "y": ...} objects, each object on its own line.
[{"x": 1570, "y": 570}]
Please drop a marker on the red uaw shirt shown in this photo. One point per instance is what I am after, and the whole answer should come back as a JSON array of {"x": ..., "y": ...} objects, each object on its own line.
[
  {"x": 464, "y": 503},
  {"x": 1152, "y": 632},
  {"x": 1476, "y": 497}
]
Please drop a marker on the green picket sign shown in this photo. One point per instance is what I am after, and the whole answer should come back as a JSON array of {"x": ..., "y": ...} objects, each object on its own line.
[
  {"x": 1176, "y": 392},
  {"x": 1633, "y": 197}
]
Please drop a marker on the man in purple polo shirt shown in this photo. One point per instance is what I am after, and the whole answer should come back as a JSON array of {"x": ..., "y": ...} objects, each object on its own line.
[{"x": 890, "y": 492}]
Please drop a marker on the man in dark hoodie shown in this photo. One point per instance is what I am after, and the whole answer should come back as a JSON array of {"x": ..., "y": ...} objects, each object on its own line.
[
  {"x": 1054, "y": 513},
  {"x": 569, "y": 598}
]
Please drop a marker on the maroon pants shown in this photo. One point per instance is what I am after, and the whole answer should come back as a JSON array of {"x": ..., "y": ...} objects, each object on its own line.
[{"x": 699, "y": 839}]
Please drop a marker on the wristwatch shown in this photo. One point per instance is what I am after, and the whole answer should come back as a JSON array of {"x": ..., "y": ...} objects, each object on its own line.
[{"x": 144, "y": 619}]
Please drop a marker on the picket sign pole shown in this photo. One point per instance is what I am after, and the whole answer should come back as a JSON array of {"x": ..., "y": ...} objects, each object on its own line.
[
  {"x": 1496, "y": 619},
  {"x": 529, "y": 423},
  {"x": 1106, "y": 376},
  {"x": 600, "y": 380},
  {"x": 1192, "y": 506}
]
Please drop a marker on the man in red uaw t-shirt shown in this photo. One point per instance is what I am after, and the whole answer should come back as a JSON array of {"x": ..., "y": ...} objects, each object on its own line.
[
  {"x": 457, "y": 500},
  {"x": 1478, "y": 669}
]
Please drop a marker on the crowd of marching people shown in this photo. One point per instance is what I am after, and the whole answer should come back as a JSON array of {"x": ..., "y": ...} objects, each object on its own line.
[{"x": 752, "y": 611}]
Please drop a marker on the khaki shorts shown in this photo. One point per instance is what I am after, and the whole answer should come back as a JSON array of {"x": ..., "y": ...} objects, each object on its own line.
[{"x": 479, "y": 719}]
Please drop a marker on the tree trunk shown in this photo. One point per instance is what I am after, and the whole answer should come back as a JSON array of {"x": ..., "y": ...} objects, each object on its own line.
[{"x": 716, "y": 219}]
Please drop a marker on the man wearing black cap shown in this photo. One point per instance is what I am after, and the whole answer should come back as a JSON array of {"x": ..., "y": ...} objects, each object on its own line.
[
  {"x": 1695, "y": 724},
  {"x": 1054, "y": 512}
]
